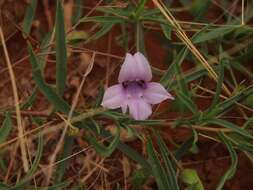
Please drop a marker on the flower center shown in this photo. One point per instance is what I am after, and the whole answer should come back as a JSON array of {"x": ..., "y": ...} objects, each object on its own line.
[{"x": 134, "y": 89}]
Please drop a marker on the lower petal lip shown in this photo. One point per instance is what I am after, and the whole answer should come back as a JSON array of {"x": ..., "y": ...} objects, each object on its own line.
[
  {"x": 113, "y": 97},
  {"x": 139, "y": 109},
  {"x": 155, "y": 93}
]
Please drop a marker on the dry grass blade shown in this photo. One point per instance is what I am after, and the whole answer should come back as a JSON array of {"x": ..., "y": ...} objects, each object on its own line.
[
  {"x": 97, "y": 166},
  {"x": 16, "y": 100},
  {"x": 182, "y": 36}
]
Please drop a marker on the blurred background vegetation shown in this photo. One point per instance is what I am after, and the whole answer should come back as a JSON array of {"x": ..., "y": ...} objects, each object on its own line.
[{"x": 58, "y": 57}]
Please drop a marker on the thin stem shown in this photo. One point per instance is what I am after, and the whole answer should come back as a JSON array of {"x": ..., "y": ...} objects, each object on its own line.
[{"x": 243, "y": 22}]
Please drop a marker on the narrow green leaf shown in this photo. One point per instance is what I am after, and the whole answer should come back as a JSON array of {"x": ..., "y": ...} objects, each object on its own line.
[
  {"x": 106, "y": 27},
  {"x": 61, "y": 50},
  {"x": 28, "y": 19},
  {"x": 99, "y": 96},
  {"x": 219, "y": 85},
  {"x": 37, "y": 158},
  {"x": 204, "y": 36},
  {"x": 157, "y": 169},
  {"x": 186, "y": 100},
  {"x": 115, "y": 11},
  {"x": 155, "y": 12},
  {"x": 140, "y": 40},
  {"x": 6, "y": 128},
  {"x": 234, "y": 160},
  {"x": 103, "y": 19},
  {"x": 78, "y": 11},
  {"x": 50, "y": 94},
  {"x": 44, "y": 47},
  {"x": 166, "y": 30},
  {"x": 244, "y": 93},
  {"x": 67, "y": 150},
  {"x": 140, "y": 7},
  {"x": 199, "y": 8},
  {"x": 170, "y": 169},
  {"x": 144, "y": 122},
  {"x": 35, "y": 164},
  {"x": 224, "y": 106},
  {"x": 231, "y": 126},
  {"x": 166, "y": 79}
]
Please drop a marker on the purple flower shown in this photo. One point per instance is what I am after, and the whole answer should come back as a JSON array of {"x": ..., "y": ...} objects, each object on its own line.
[{"x": 135, "y": 91}]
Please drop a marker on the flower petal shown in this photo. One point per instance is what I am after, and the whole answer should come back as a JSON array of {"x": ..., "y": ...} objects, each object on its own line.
[
  {"x": 143, "y": 67},
  {"x": 135, "y": 67},
  {"x": 156, "y": 93},
  {"x": 113, "y": 97},
  {"x": 139, "y": 109},
  {"x": 127, "y": 71}
]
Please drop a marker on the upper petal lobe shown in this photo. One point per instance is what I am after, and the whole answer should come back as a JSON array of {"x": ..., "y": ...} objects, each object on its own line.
[
  {"x": 135, "y": 67},
  {"x": 143, "y": 67}
]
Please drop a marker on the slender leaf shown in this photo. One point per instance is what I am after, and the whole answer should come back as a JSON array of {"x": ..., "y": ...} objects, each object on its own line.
[
  {"x": 140, "y": 40},
  {"x": 115, "y": 11},
  {"x": 6, "y": 128},
  {"x": 166, "y": 30},
  {"x": 234, "y": 160},
  {"x": 67, "y": 150},
  {"x": 61, "y": 50},
  {"x": 34, "y": 165},
  {"x": 37, "y": 158},
  {"x": 28, "y": 19},
  {"x": 106, "y": 27},
  {"x": 50, "y": 94},
  {"x": 231, "y": 126},
  {"x": 199, "y": 8},
  {"x": 213, "y": 34},
  {"x": 103, "y": 19},
  {"x": 219, "y": 85},
  {"x": 170, "y": 168},
  {"x": 186, "y": 100},
  {"x": 166, "y": 79},
  {"x": 157, "y": 169},
  {"x": 78, "y": 11},
  {"x": 45, "y": 48},
  {"x": 140, "y": 8}
]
